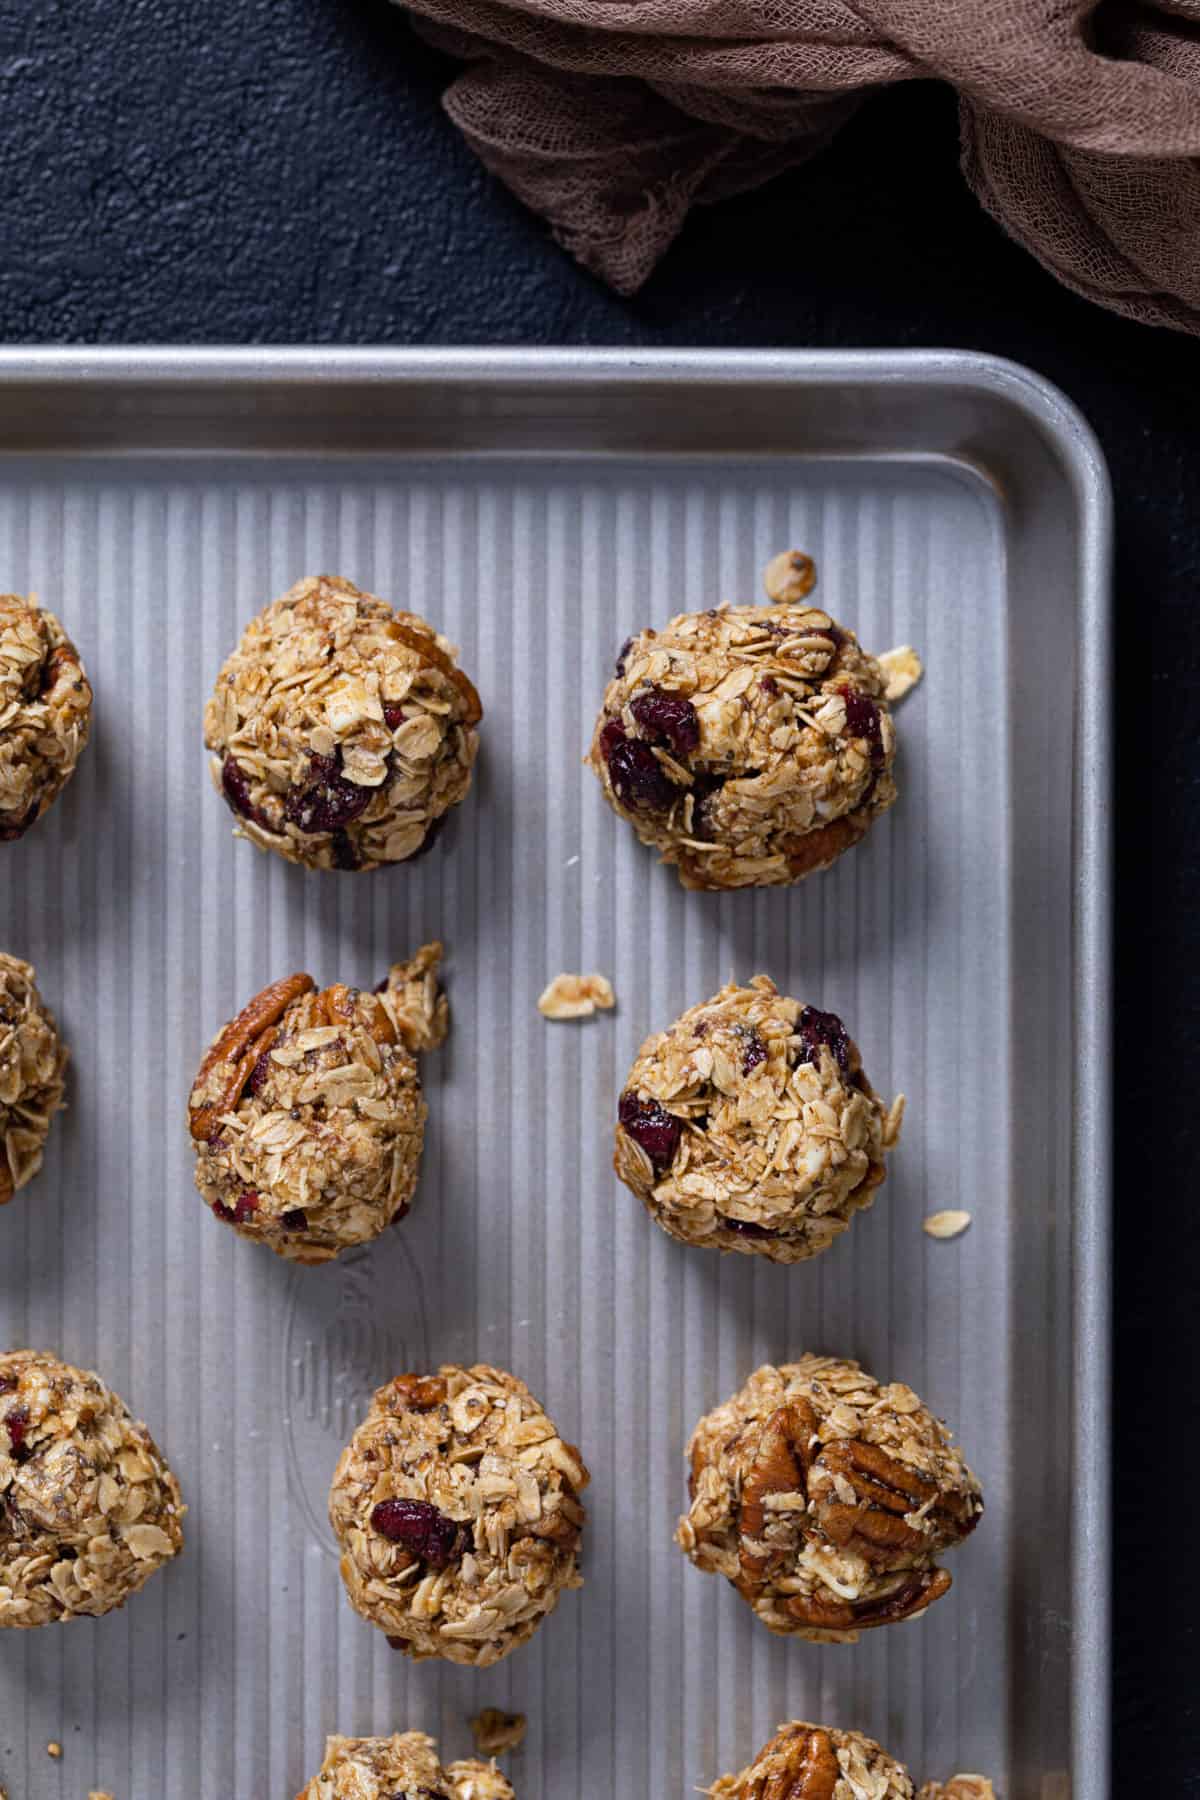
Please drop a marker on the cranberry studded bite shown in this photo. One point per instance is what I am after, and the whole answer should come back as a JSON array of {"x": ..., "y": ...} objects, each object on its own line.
[
  {"x": 307, "y": 1116},
  {"x": 45, "y": 713},
  {"x": 89, "y": 1508},
  {"x": 749, "y": 745},
  {"x": 826, "y": 1498},
  {"x": 405, "y": 1766},
  {"x": 341, "y": 732},
  {"x": 750, "y": 1125},
  {"x": 456, "y": 1507}
]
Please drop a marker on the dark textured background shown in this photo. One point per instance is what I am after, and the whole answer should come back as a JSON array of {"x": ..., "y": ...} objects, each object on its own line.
[{"x": 278, "y": 171}]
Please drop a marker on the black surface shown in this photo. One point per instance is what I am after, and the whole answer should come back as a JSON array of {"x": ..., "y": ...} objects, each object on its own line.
[{"x": 279, "y": 171}]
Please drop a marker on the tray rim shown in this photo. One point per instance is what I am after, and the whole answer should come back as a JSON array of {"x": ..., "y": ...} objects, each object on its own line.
[{"x": 1040, "y": 405}]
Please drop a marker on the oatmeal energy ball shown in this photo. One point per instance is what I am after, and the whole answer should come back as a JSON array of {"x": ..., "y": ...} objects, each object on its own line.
[
  {"x": 88, "y": 1507},
  {"x": 341, "y": 731},
  {"x": 33, "y": 1062},
  {"x": 749, "y": 1125},
  {"x": 306, "y": 1116},
  {"x": 45, "y": 712},
  {"x": 456, "y": 1506},
  {"x": 816, "y": 1762},
  {"x": 749, "y": 745},
  {"x": 825, "y": 1499},
  {"x": 403, "y": 1767}
]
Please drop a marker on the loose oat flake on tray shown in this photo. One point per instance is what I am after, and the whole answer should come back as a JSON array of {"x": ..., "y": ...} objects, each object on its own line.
[
  {"x": 405, "y": 1766},
  {"x": 341, "y": 731},
  {"x": 749, "y": 745},
  {"x": 45, "y": 712},
  {"x": 456, "y": 1507},
  {"x": 750, "y": 1125},
  {"x": 825, "y": 1498},
  {"x": 33, "y": 1063},
  {"x": 307, "y": 1117},
  {"x": 88, "y": 1506}
]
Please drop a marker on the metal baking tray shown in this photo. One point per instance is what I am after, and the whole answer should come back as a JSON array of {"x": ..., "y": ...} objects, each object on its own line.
[{"x": 538, "y": 506}]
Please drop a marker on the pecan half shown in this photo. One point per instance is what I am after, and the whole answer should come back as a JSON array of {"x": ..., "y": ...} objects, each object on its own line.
[
  {"x": 814, "y": 849},
  {"x": 823, "y": 1612},
  {"x": 432, "y": 652},
  {"x": 419, "y": 1393},
  {"x": 337, "y": 1006},
  {"x": 242, "y": 1042},
  {"x": 780, "y": 1466},
  {"x": 885, "y": 1492},
  {"x": 804, "y": 1766}
]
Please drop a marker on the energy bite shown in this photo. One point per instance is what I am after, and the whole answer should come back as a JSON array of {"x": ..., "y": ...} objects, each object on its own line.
[
  {"x": 825, "y": 1498},
  {"x": 456, "y": 1506},
  {"x": 817, "y": 1762},
  {"x": 749, "y": 745},
  {"x": 307, "y": 1117},
  {"x": 341, "y": 731},
  {"x": 750, "y": 1125},
  {"x": 45, "y": 712},
  {"x": 402, "y": 1767},
  {"x": 33, "y": 1064},
  {"x": 88, "y": 1506}
]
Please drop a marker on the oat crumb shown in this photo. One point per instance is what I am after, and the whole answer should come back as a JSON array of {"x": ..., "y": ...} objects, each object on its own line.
[
  {"x": 903, "y": 669},
  {"x": 54, "y": 1748},
  {"x": 496, "y": 1731},
  {"x": 949, "y": 1224},
  {"x": 99, "y": 1794},
  {"x": 576, "y": 997},
  {"x": 789, "y": 577}
]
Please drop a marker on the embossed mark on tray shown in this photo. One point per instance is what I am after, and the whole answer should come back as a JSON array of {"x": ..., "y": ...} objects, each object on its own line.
[{"x": 349, "y": 1328}]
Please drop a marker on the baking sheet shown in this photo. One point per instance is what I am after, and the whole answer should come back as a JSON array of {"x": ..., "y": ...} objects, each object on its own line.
[{"x": 538, "y": 509}]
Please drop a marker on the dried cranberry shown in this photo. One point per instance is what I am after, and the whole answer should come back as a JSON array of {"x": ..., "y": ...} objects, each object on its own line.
[
  {"x": 622, "y": 654},
  {"x": 834, "y": 633},
  {"x": 747, "y": 1228},
  {"x": 235, "y": 785},
  {"x": 816, "y": 1028},
  {"x": 329, "y": 802},
  {"x": 258, "y": 1074},
  {"x": 295, "y": 1219},
  {"x": 769, "y": 685},
  {"x": 247, "y": 1205},
  {"x": 424, "y": 1532},
  {"x": 863, "y": 720},
  {"x": 345, "y": 856},
  {"x": 393, "y": 715},
  {"x": 639, "y": 779},
  {"x": 754, "y": 1051},
  {"x": 612, "y": 733},
  {"x": 17, "y": 1422},
  {"x": 667, "y": 719},
  {"x": 653, "y": 1128},
  {"x": 222, "y": 1211}
]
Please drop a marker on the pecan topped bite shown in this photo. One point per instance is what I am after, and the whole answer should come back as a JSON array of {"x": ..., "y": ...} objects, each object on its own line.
[
  {"x": 88, "y": 1506},
  {"x": 749, "y": 745},
  {"x": 826, "y": 1498},
  {"x": 307, "y": 1117},
  {"x": 45, "y": 712},
  {"x": 341, "y": 731},
  {"x": 817, "y": 1762},
  {"x": 405, "y": 1766},
  {"x": 33, "y": 1064},
  {"x": 456, "y": 1506},
  {"x": 749, "y": 1125}
]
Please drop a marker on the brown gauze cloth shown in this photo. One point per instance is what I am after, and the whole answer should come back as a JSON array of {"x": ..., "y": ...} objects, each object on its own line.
[{"x": 1080, "y": 124}]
